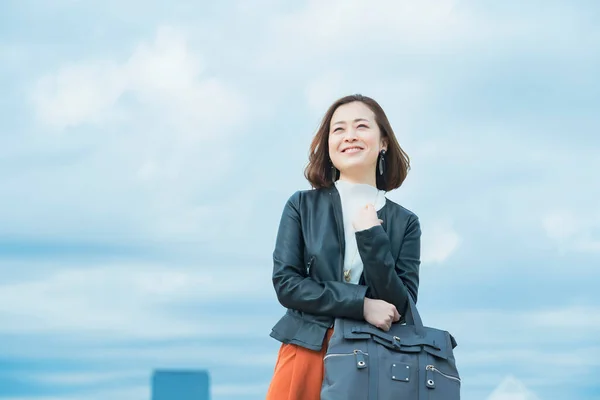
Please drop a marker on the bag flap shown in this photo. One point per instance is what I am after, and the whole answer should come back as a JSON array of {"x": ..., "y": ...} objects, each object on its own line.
[{"x": 403, "y": 338}]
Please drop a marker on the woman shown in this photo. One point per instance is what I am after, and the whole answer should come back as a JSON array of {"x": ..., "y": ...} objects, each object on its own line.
[{"x": 342, "y": 249}]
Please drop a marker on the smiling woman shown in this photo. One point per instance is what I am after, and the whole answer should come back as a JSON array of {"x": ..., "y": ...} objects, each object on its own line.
[
  {"x": 356, "y": 124},
  {"x": 342, "y": 250}
]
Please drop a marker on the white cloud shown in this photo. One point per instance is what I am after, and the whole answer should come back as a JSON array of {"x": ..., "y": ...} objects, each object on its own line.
[
  {"x": 72, "y": 378},
  {"x": 578, "y": 360},
  {"x": 240, "y": 390},
  {"x": 13, "y": 55},
  {"x": 439, "y": 240},
  {"x": 79, "y": 93},
  {"x": 192, "y": 354},
  {"x": 560, "y": 226},
  {"x": 128, "y": 301},
  {"x": 519, "y": 196},
  {"x": 163, "y": 118},
  {"x": 41, "y": 398},
  {"x": 583, "y": 318},
  {"x": 348, "y": 31},
  {"x": 512, "y": 389},
  {"x": 573, "y": 231},
  {"x": 141, "y": 392},
  {"x": 154, "y": 130},
  {"x": 526, "y": 329},
  {"x": 324, "y": 90},
  {"x": 164, "y": 77},
  {"x": 357, "y": 25},
  {"x": 501, "y": 340},
  {"x": 510, "y": 339}
]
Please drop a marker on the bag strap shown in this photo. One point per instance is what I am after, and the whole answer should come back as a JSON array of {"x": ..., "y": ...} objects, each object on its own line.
[{"x": 413, "y": 317}]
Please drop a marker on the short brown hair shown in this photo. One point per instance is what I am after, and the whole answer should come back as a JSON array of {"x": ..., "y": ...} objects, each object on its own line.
[{"x": 397, "y": 163}]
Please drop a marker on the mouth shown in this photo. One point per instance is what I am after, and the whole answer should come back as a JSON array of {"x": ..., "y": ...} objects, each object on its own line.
[{"x": 352, "y": 149}]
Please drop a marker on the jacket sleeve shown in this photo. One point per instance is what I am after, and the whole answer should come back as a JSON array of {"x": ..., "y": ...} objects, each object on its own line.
[
  {"x": 388, "y": 279},
  {"x": 295, "y": 289}
]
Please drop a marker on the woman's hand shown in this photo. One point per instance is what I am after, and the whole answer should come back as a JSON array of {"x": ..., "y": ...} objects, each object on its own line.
[
  {"x": 366, "y": 218},
  {"x": 380, "y": 313}
]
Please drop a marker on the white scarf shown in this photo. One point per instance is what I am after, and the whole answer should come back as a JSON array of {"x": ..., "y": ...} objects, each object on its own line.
[{"x": 353, "y": 197}]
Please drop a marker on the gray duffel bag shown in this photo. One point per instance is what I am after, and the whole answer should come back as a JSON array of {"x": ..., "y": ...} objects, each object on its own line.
[{"x": 409, "y": 362}]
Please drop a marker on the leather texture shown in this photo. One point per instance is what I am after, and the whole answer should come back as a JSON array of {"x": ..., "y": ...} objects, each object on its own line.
[
  {"x": 409, "y": 361},
  {"x": 308, "y": 264}
]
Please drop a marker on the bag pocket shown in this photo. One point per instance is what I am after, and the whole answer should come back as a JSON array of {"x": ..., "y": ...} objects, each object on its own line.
[
  {"x": 398, "y": 375},
  {"x": 346, "y": 376}
]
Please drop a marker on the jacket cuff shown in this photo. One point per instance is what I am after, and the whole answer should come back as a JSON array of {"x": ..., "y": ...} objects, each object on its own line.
[
  {"x": 369, "y": 233},
  {"x": 359, "y": 302}
]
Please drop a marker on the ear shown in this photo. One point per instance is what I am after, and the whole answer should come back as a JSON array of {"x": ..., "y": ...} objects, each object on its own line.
[{"x": 384, "y": 144}]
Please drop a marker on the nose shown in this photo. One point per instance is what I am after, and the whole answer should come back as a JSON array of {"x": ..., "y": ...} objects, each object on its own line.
[{"x": 350, "y": 135}]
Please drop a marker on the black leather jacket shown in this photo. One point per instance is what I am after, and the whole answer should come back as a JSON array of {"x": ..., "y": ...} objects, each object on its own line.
[{"x": 308, "y": 265}]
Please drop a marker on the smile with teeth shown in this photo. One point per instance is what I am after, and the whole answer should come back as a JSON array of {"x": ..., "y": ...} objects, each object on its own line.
[{"x": 352, "y": 150}]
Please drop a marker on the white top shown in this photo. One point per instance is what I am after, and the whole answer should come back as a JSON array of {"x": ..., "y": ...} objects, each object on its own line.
[{"x": 353, "y": 197}]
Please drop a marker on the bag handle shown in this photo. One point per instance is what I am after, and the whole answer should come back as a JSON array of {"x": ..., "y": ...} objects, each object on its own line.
[{"x": 413, "y": 317}]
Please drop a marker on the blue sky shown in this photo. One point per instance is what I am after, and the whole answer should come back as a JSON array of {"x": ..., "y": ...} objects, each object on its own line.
[{"x": 147, "y": 149}]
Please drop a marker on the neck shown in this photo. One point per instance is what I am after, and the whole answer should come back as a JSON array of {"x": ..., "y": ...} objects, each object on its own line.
[{"x": 368, "y": 179}]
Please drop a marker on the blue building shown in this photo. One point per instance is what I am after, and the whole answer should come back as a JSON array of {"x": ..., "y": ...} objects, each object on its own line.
[{"x": 180, "y": 385}]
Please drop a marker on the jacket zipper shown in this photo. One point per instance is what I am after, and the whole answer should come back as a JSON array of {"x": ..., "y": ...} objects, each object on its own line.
[
  {"x": 340, "y": 235},
  {"x": 433, "y": 368}
]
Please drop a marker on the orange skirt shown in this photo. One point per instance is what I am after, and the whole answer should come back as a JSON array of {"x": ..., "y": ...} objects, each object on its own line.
[{"x": 298, "y": 373}]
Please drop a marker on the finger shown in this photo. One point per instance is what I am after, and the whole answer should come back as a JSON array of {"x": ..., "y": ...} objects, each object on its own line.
[
  {"x": 396, "y": 315},
  {"x": 381, "y": 221}
]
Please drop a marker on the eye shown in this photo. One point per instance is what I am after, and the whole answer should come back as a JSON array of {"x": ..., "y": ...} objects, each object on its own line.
[
  {"x": 363, "y": 125},
  {"x": 337, "y": 129}
]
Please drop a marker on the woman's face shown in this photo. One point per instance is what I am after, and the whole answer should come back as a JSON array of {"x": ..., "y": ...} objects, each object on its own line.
[{"x": 355, "y": 140}]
